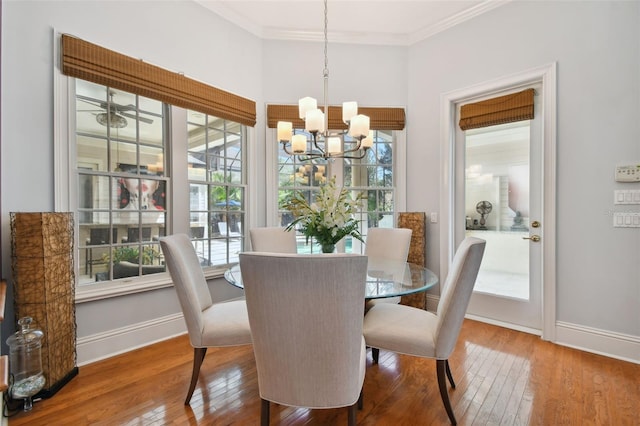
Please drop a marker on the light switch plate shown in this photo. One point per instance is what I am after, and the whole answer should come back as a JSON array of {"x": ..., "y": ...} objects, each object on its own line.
[
  {"x": 626, "y": 220},
  {"x": 626, "y": 196}
]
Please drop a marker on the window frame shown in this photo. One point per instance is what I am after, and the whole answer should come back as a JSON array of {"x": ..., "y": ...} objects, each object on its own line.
[
  {"x": 210, "y": 211},
  {"x": 66, "y": 187},
  {"x": 272, "y": 181}
]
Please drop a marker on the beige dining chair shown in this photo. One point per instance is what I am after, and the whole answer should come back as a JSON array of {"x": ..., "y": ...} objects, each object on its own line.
[
  {"x": 208, "y": 324},
  {"x": 387, "y": 243},
  {"x": 273, "y": 239},
  {"x": 412, "y": 331},
  {"x": 306, "y": 316}
]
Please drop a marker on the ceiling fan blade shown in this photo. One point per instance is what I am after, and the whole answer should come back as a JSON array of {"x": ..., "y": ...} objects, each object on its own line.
[
  {"x": 124, "y": 107},
  {"x": 95, "y": 104},
  {"x": 134, "y": 117},
  {"x": 117, "y": 107}
]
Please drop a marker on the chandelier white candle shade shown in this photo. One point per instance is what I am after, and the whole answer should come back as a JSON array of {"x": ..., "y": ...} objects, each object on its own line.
[
  {"x": 333, "y": 145},
  {"x": 359, "y": 127},
  {"x": 299, "y": 143},
  {"x": 325, "y": 144},
  {"x": 349, "y": 110},
  {"x": 285, "y": 130},
  {"x": 305, "y": 105},
  {"x": 368, "y": 141},
  {"x": 314, "y": 121}
]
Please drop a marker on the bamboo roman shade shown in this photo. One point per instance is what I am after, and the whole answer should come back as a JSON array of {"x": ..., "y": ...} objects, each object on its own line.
[
  {"x": 380, "y": 118},
  {"x": 500, "y": 110},
  {"x": 94, "y": 63}
]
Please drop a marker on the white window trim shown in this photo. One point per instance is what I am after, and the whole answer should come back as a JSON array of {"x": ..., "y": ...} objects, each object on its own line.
[{"x": 65, "y": 199}]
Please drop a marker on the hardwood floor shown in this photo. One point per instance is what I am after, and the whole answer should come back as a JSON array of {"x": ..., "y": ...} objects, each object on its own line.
[{"x": 503, "y": 377}]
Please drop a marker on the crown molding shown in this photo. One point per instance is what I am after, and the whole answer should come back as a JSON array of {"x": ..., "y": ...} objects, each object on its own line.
[
  {"x": 454, "y": 20},
  {"x": 374, "y": 38}
]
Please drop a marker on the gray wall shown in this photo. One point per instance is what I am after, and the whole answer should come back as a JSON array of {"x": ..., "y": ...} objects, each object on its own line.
[
  {"x": 176, "y": 35},
  {"x": 597, "y": 49},
  {"x": 596, "y": 45}
]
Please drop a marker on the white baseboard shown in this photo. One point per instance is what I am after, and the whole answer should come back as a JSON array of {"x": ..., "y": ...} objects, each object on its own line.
[
  {"x": 601, "y": 342},
  {"x": 114, "y": 342},
  {"x": 505, "y": 324},
  {"x": 607, "y": 343}
]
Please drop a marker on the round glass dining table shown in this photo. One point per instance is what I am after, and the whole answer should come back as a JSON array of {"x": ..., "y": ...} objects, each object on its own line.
[{"x": 385, "y": 278}]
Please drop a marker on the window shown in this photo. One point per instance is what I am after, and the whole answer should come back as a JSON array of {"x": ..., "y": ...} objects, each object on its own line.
[
  {"x": 122, "y": 140},
  {"x": 126, "y": 163},
  {"x": 372, "y": 175},
  {"x": 380, "y": 175},
  {"x": 122, "y": 209},
  {"x": 216, "y": 187}
]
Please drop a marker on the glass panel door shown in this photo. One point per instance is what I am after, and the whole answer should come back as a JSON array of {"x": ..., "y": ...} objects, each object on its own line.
[
  {"x": 501, "y": 202},
  {"x": 497, "y": 205}
]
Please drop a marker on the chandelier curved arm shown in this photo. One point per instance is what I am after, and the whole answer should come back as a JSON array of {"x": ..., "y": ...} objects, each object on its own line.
[
  {"x": 353, "y": 157},
  {"x": 304, "y": 156},
  {"x": 314, "y": 135}
]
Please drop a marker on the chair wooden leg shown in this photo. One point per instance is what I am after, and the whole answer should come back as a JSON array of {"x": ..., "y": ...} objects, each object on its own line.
[
  {"x": 375, "y": 353},
  {"x": 265, "y": 412},
  {"x": 441, "y": 369},
  {"x": 352, "y": 414},
  {"x": 198, "y": 357},
  {"x": 449, "y": 375}
]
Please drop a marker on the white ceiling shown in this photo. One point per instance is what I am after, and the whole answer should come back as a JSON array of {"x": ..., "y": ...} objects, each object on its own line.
[{"x": 386, "y": 22}]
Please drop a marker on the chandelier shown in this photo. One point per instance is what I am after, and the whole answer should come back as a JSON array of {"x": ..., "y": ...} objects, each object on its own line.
[{"x": 324, "y": 143}]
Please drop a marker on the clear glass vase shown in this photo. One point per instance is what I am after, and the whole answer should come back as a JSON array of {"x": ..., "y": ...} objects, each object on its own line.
[
  {"x": 25, "y": 362},
  {"x": 328, "y": 248}
]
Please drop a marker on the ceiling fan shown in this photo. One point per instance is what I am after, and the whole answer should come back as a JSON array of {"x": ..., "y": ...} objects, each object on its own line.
[{"x": 113, "y": 114}]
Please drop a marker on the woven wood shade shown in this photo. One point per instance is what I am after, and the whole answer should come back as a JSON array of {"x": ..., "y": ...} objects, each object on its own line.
[
  {"x": 500, "y": 110},
  {"x": 94, "y": 63},
  {"x": 381, "y": 118}
]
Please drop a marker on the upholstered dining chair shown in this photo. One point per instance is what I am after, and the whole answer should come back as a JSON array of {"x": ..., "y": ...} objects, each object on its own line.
[
  {"x": 208, "y": 324},
  {"x": 273, "y": 239},
  {"x": 387, "y": 243},
  {"x": 408, "y": 330},
  {"x": 306, "y": 315}
]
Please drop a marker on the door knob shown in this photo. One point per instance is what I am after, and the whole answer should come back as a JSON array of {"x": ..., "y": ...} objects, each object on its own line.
[{"x": 534, "y": 238}]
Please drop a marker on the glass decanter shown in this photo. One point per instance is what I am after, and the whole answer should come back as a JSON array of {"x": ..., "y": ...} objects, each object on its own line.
[{"x": 25, "y": 362}]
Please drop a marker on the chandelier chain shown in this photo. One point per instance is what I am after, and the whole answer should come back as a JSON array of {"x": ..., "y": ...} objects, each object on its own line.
[
  {"x": 326, "y": 41},
  {"x": 325, "y": 143}
]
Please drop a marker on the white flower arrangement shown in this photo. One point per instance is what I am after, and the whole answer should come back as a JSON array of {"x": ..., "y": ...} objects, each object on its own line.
[{"x": 329, "y": 219}]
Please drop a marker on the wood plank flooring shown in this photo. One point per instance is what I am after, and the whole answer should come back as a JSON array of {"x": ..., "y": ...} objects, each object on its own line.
[{"x": 503, "y": 377}]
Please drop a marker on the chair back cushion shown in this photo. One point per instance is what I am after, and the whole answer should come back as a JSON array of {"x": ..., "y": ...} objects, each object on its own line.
[
  {"x": 306, "y": 313},
  {"x": 456, "y": 293},
  {"x": 189, "y": 281},
  {"x": 273, "y": 239},
  {"x": 388, "y": 243}
]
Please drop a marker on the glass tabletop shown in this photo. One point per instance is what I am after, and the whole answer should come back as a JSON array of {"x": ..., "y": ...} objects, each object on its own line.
[{"x": 385, "y": 278}]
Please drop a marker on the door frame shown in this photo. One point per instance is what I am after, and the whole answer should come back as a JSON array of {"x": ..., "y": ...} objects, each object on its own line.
[{"x": 547, "y": 75}]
